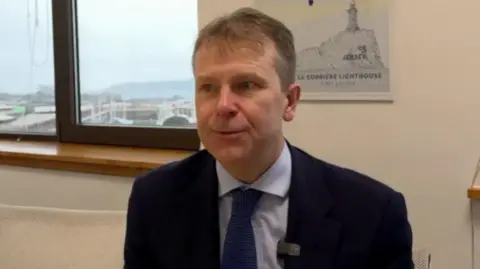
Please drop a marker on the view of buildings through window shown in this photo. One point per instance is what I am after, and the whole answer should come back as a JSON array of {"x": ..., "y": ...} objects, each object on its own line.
[{"x": 133, "y": 57}]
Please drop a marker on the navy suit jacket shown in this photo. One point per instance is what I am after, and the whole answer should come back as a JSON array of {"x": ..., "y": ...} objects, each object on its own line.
[{"x": 341, "y": 219}]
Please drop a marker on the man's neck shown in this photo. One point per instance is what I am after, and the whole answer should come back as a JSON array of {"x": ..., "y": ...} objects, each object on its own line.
[{"x": 253, "y": 168}]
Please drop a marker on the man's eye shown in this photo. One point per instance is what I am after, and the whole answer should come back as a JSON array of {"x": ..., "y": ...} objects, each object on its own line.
[
  {"x": 207, "y": 87},
  {"x": 246, "y": 85}
]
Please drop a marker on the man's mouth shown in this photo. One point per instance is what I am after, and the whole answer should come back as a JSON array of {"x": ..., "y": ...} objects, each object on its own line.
[{"x": 229, "y": 133}]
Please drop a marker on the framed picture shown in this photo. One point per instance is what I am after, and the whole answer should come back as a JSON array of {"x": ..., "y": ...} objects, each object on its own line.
[{"x": 342, "y": 47}]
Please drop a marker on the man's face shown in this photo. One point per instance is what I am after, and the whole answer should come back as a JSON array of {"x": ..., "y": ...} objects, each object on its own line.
[{"x": 239, "y": 101}]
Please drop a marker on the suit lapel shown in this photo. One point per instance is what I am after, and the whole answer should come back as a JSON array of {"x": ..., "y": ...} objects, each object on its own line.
[
  {"x": 203, "y": 223},
  {"x": 308, "y": 224}
]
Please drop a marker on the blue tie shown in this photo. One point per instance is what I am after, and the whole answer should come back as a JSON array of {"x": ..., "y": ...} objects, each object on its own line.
[{"x": 239, "y": 247}]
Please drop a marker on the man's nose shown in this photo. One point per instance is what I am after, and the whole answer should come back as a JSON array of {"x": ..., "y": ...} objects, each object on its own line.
[{"x": 226, "y": 106}]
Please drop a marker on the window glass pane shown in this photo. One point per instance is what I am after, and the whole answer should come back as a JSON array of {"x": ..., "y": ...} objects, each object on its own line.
[
  {"x": 134, "y": 62},
  {"x": 27, "y": 103}
]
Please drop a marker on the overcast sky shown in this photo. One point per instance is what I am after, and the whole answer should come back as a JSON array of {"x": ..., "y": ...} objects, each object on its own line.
[{"x": 119, "y": 41}]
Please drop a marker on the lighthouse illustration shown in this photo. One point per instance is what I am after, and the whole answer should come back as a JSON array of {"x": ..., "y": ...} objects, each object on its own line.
[
  {"x": 338, "y": 54},
  {"x": 352, "y": 25},
  {"x": 353, "y": 47}
]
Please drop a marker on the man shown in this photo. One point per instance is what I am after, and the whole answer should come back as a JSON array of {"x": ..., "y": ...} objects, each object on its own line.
[{"x": 251, "y": 199}]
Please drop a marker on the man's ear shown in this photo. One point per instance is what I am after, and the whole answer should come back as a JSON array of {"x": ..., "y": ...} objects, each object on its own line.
[{"x": 292, "y": 95}]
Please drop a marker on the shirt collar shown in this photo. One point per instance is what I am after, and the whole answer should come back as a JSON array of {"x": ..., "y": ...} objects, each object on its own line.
[{"x": 275, "y": 181}]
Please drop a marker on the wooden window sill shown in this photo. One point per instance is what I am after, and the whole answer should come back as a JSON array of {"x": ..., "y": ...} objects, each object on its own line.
[
  {"x": 474, "y": 192},
  {"x": 109, "y": 160}
]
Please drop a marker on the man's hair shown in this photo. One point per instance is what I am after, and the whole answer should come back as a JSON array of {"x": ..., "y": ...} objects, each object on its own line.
[{"x": 246, "y": 27}]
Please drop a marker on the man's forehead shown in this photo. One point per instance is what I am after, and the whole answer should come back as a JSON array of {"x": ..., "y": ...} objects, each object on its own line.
[{"x": 221, "y": 51}]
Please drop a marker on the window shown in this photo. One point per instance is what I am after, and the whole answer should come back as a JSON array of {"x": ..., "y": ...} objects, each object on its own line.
[
  {"x": 27, "y": 92},
  {"x": 120, "y": 75}
]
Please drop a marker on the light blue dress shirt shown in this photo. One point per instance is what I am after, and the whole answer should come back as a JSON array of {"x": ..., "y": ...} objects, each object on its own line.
[{"x": 270, "y": 218}]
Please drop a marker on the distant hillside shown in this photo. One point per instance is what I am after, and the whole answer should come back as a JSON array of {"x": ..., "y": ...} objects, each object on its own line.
[
  {"x": 44, "y": 95},
  {"x": 41, "y": 89},
  {"x": 138, "y": 91},
  {"x": 154, "y": 89}
]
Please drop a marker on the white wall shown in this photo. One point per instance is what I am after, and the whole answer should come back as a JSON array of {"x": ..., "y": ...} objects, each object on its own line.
[
  {"x": 425, "y": 144},
  {"x": 28, "y": 186}
]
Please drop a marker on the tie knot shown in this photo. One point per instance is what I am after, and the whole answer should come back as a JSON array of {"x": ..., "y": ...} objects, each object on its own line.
[{"x": 245, "y": 201}]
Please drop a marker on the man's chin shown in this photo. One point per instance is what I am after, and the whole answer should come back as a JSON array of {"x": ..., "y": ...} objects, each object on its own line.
[{"x": 230, "y": 154}]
